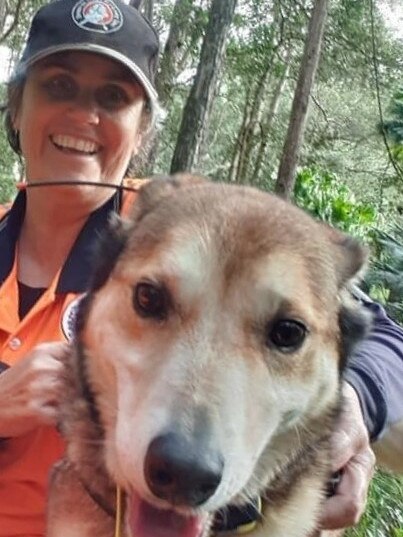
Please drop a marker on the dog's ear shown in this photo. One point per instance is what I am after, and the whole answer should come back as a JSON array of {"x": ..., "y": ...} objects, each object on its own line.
[
  {"x": 350, "y": 259},
  {"x": 108, "y": 248},
  {"x": 355, "y": 322},
  {"x": 350, "y": 256},
  {"x": 160, "y": 187}
]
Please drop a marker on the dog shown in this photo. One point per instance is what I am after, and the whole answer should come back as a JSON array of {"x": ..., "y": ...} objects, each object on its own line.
[{"x": 206, "y": 367}]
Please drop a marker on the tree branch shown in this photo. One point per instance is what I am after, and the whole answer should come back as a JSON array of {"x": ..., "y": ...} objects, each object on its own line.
[{"x": 14, "y": 23}]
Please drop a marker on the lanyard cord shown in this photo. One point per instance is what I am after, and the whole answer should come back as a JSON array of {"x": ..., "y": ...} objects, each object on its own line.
[
  {"x": 119, "y": 512},
  {"x": 24, "y": 186}
]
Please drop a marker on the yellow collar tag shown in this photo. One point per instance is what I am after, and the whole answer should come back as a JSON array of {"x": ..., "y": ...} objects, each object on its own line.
[{"x": 119, "y": 512}]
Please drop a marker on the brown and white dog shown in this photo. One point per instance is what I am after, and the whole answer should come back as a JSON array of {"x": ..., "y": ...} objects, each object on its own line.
[{"x": 206, "y": 368}]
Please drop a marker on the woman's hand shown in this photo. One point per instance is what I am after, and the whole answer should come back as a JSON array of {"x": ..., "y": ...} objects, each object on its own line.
[
  {"x": 30, "y": 390},
  {"x": 352, "y": 455}
]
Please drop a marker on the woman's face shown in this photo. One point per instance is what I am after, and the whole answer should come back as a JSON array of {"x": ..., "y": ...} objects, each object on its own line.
[{"x": 79, "y": 119}]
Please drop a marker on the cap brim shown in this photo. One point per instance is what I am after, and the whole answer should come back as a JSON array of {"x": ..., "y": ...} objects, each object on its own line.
[{"x": 104, "y": 51}]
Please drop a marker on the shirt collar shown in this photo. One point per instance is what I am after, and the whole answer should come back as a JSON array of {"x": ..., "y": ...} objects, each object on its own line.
[
  {"x": 10, "y": 226},
  {"x": 76, "y": 271}
]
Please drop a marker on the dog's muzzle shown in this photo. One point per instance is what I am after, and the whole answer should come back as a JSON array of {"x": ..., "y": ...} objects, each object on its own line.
[{"x": 182, "y": 471}]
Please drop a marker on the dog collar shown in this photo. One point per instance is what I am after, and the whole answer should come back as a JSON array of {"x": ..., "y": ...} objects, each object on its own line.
[
  {"x": 119, "y": 512},
  {"x": 238, "y": 519}
]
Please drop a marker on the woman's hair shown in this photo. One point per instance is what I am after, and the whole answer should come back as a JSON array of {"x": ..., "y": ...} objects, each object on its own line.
[
  {"x": 149, "y": 125},
  {"x": 15, "y": 88},
  {"x": 149, "y": 128}
]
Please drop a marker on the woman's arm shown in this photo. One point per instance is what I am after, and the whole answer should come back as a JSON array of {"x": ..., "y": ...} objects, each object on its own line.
[
  {"x": 373, "y": 393},
  {"x": 375, "y": 371}
]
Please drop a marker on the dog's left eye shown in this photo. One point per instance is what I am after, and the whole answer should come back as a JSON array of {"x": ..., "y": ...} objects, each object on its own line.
[
  {"x": 151, "y": 301},
  {"x": 287, "y": 335}
]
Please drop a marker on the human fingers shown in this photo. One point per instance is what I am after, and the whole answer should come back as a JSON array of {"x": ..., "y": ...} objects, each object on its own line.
[
  {"x": 44, "y": 378},
  {"x": 30, "y": 390},
  {"x": 351, "y": 435},
  {"x": 346, "y": 507}
]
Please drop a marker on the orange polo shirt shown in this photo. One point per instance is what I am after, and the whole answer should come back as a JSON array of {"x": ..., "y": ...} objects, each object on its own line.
[{"x": 25, "y": 461}]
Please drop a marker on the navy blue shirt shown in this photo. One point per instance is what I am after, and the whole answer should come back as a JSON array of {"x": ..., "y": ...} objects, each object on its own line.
[{"x": 375, "y": 370}]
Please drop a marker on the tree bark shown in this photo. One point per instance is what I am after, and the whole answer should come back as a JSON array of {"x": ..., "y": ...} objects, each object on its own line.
[
  {"x": 148, "y": 9},
  {"x": 240, "y": 140},
  {"x": 288, "y": 164},
  {"x": 246, "y": 135},
  {"x": 172, "y": 56},
  {"x": 198, "y": 105},
  {"x": 6, "y": 9},
  {"x": 267, "y": 123},
  {"x": 3, "y": 14}
]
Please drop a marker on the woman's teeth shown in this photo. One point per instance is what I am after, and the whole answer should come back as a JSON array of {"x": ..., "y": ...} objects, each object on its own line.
[{"x": 75, "y": 144}]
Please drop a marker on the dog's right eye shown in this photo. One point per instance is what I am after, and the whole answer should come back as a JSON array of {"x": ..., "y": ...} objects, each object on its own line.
[{"x": 151, "y": 301}]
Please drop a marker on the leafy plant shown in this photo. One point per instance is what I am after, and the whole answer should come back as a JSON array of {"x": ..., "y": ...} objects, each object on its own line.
[
  {"x": 325, "y": 196},
  {"x": 394, "y": 127},
  {"x": 384, "y": 514},
  {"x": 384, "y": 280}
]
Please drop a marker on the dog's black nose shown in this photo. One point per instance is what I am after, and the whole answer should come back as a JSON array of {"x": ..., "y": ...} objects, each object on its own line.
[{"x": 181, "y": 471}]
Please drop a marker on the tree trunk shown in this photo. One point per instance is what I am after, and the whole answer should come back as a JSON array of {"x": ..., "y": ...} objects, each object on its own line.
[
  {"x": 148, "y": 9},
  {"x": 254, "y": 107},
  {"x": 240, "y": 140},
  {"x": 7, "y": 9},
  {"x": 196, "y": 112},
  {"x": 3, "y": 14},
  {"x": 288, "y": 164},
  {"x": 267, "y": 123},
  {"x": 172, "y": 56},
  {"x": 246, "y": 136}
]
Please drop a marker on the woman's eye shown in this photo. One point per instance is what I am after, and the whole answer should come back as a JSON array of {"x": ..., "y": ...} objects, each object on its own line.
[
  {"x": 286, "y": 334},
  {"x": 151, "y": 301},
  {"x": 61, "y": 88},
  {"x": 112, "y": 97}
]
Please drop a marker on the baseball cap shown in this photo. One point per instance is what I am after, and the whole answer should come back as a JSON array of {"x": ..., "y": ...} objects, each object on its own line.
[{"x": 107, "y": 27}]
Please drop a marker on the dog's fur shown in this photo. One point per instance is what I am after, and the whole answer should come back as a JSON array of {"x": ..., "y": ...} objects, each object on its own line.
[{"x": 211, "y": 366}]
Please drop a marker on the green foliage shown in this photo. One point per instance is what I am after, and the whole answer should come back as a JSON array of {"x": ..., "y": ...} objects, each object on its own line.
[
  {"x": 384, "y": 280},
  {"x": 393, "y": 128},
  {"x": 326, "y": 197},
  {"x": 384, "y": 514}
]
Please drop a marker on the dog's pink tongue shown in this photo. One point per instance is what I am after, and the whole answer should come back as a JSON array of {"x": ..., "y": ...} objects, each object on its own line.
[{"x": 147, "y": 521}]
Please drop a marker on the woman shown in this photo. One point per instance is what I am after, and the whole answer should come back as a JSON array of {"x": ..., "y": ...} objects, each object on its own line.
[{"x": 81, "y": 106}]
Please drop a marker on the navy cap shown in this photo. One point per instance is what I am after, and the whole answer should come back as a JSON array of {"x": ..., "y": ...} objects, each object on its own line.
[{"x": 108, "y": 27}]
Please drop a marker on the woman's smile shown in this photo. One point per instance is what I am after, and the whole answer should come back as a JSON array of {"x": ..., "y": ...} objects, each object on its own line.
[
  {"x": 78, "y": 122},
  {"x": 71, "y": 144}
]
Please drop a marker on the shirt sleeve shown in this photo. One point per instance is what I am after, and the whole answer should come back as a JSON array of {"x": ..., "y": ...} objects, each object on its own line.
[{"x": 375, "y": 370}]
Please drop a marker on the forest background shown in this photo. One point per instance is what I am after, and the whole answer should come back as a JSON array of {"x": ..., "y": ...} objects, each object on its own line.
[{"x": 300, "y": 97}]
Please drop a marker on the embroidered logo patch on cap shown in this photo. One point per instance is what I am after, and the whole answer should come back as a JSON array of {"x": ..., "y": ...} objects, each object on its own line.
[{"x": 97, "y": 16}]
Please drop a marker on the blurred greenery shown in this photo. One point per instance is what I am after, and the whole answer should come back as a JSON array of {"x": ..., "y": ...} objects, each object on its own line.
[
  {"x": 383, "y": 516},
  {"x": 327, "y": 197}
]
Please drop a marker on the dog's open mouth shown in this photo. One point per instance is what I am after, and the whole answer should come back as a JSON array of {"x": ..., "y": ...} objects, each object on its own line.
[{"x": 145, "y": 520}]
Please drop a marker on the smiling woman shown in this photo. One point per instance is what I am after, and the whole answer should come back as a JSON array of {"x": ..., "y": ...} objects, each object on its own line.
[
  {"x": 75, "y": 123},
  {"x": 81, "y": 105}
]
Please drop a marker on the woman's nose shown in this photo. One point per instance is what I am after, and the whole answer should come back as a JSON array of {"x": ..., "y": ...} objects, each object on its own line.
[{"x": 84, "y": 108}]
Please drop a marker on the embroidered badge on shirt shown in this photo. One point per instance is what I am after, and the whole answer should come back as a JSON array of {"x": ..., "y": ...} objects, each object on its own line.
[
  {"x": 69, "y": 316},
  {"x": 97, "y": 16}
]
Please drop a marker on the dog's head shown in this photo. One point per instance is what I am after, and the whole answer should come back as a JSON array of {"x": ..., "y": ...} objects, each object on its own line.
[{"x": 212, "y": 340}]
